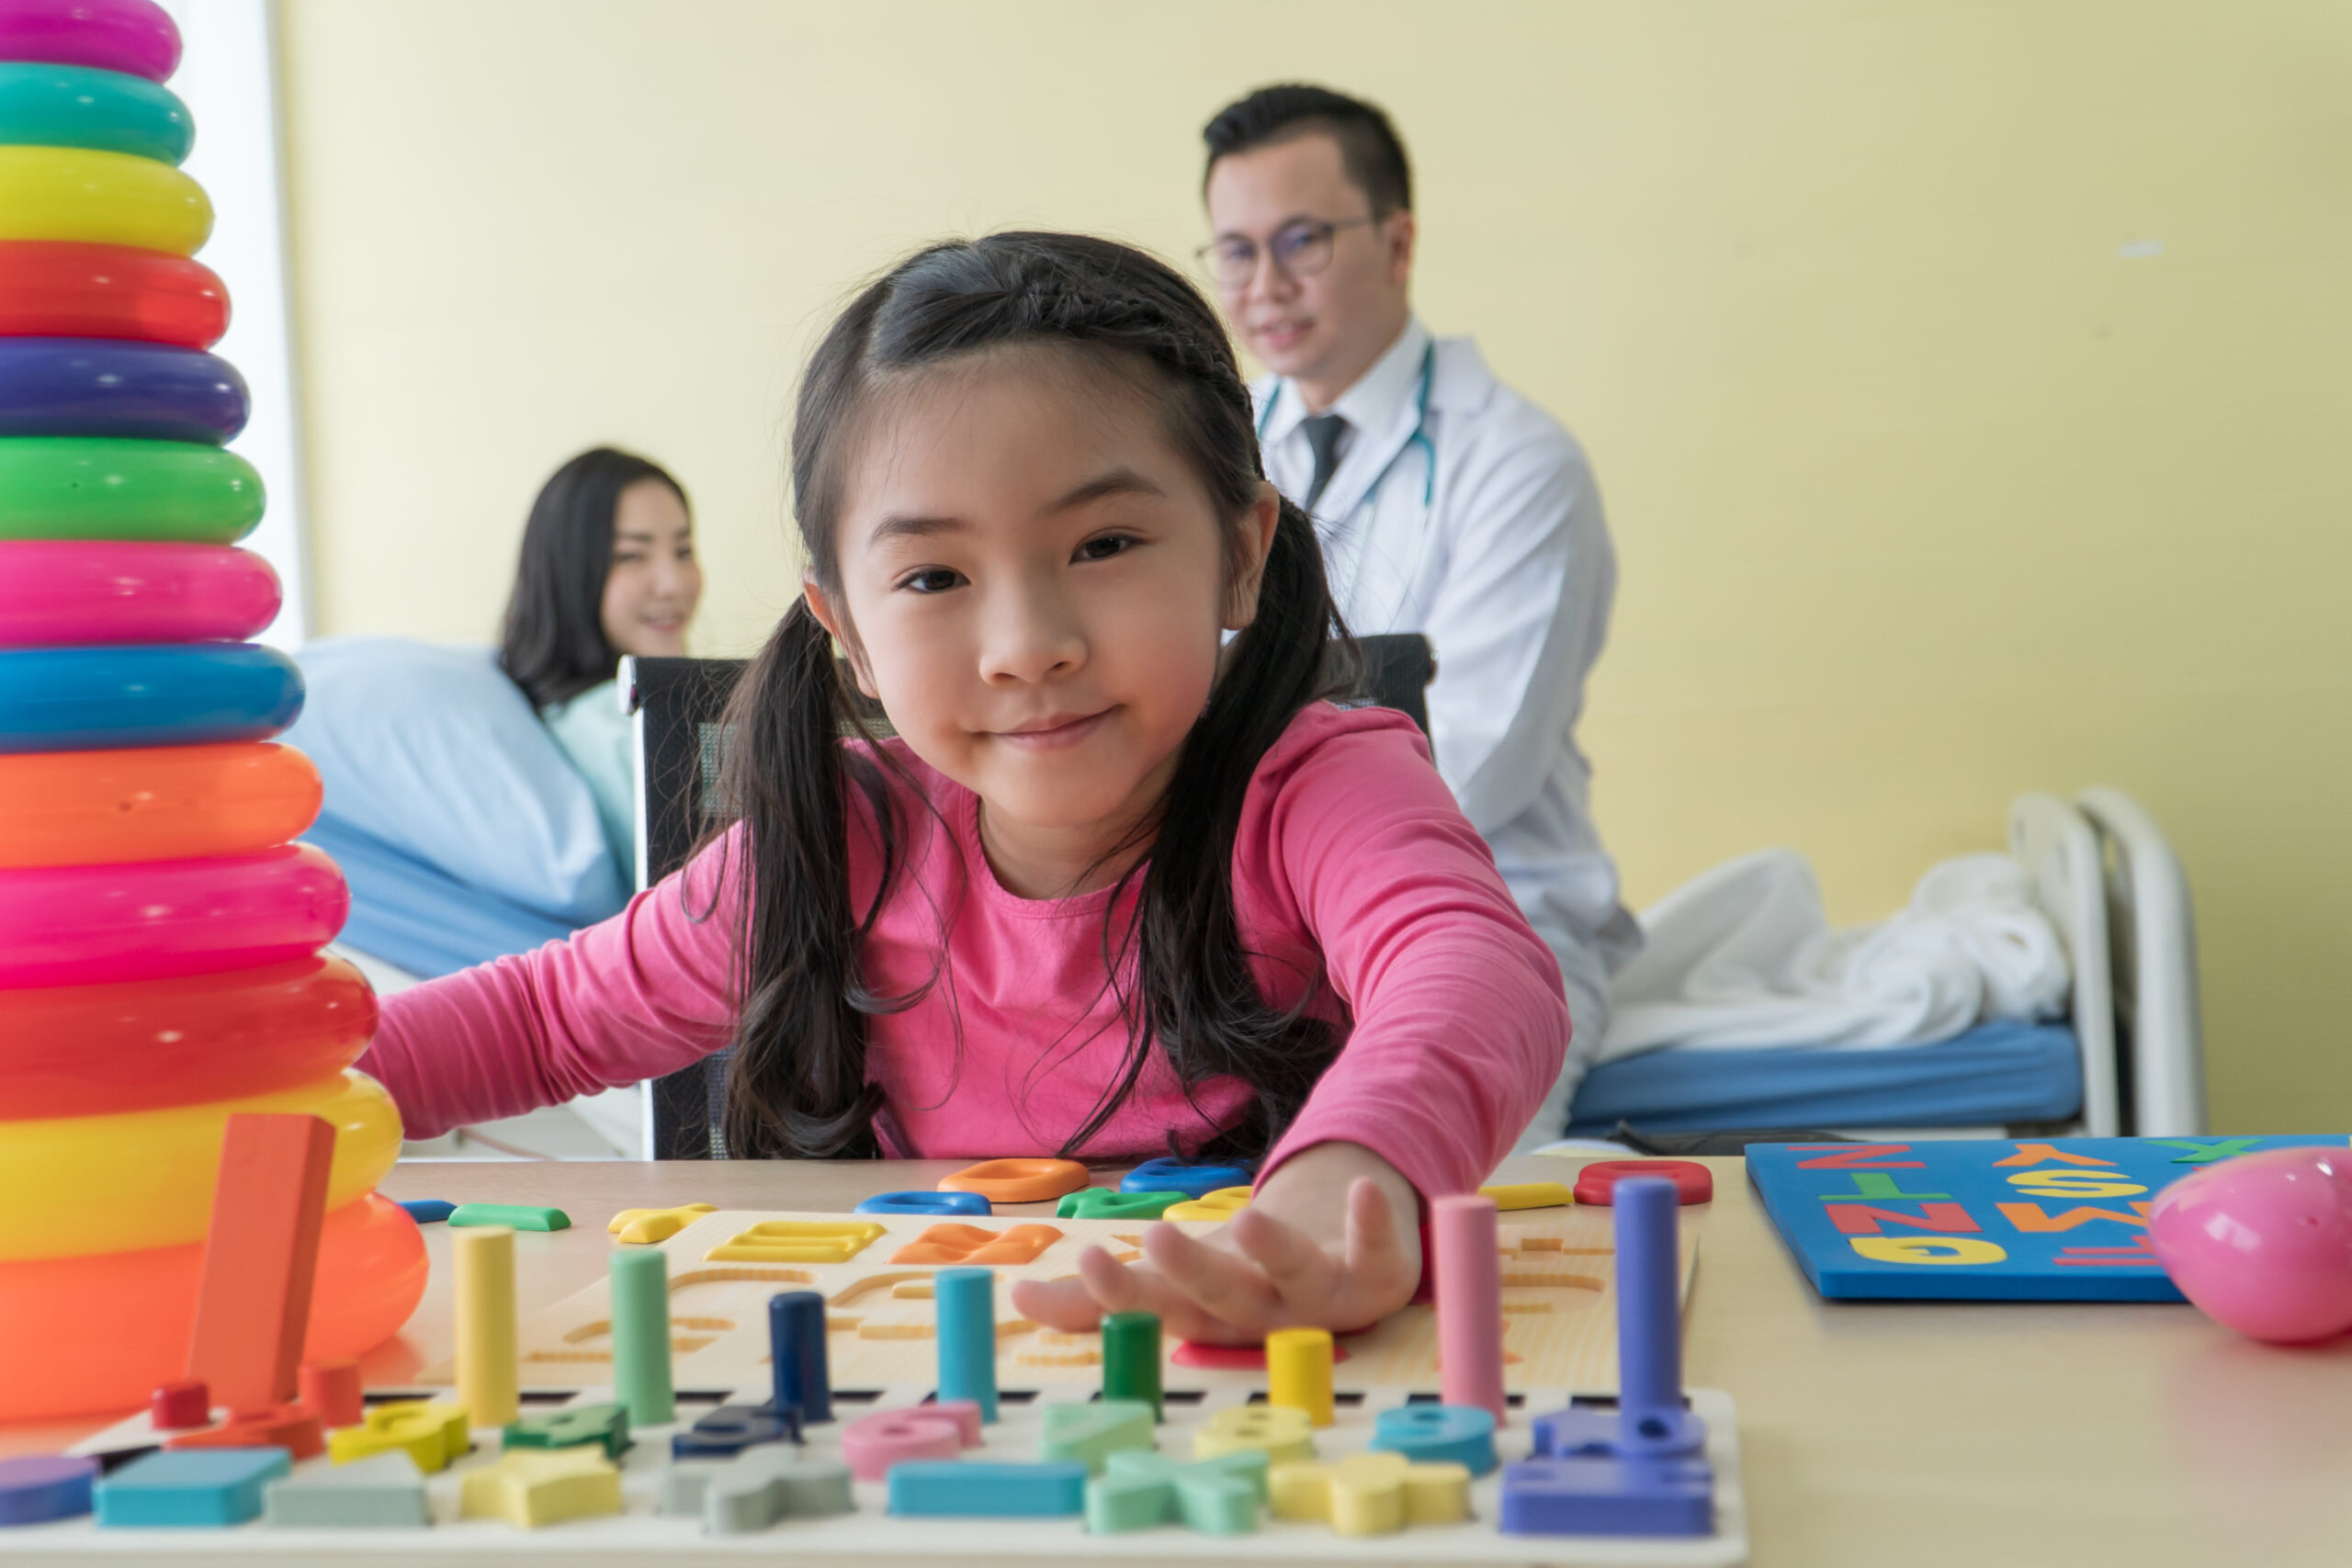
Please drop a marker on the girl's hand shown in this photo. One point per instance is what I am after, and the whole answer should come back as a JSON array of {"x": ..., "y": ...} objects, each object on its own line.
[{"x": 1266, "y": 1268}]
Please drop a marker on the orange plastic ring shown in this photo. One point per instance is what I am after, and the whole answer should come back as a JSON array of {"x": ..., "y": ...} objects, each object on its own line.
[
  {"x": 144, "y": 1045},
  {"x": 90, "y": 1335},
  {"x": 152, "y": 803},
  {"x": 1018, "y": 1180}
]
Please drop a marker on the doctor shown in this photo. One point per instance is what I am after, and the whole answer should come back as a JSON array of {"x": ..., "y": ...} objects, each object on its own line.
[{"x": 1447, "y": 503}]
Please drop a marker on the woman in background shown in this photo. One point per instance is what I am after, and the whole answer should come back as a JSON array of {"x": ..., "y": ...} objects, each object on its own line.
[{"x": 607, "y": 569}]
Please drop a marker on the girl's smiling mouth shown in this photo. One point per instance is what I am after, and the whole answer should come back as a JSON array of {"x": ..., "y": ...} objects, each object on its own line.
[{"x": 1054, "y": 733}]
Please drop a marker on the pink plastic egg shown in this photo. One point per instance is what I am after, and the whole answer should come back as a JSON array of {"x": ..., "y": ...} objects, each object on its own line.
[{"x": 2263, "y": 1243}]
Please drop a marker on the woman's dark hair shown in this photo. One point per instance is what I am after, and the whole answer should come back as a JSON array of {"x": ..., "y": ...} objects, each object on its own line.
[
  {"x": 798, "y": 1084},
  {"x": 553, "y": 644}
]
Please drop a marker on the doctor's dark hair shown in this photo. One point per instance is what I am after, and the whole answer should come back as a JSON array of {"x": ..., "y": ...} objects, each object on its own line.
[
  {"x": 1370, "y": 148},
  {"x": 553, "y": 643},
  {"x": 798, "y": 1084}
]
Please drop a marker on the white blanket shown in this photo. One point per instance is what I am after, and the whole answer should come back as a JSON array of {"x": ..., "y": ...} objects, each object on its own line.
[{"x": 1743, "y": 955}]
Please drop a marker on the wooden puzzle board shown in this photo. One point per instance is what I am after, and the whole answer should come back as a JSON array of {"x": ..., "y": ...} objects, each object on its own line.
[
  {"x": 871, "y": 1536},
  {"x": 1559, "y": 1306}
]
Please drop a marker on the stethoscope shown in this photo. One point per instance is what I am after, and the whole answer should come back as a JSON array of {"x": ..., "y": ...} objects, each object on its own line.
[{"x": 1419, "y": 437}]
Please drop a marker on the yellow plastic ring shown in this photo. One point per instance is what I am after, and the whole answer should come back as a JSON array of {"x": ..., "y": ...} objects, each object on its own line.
[
  {"x": 80, "y": 1185},
  {"x": 100, "y": 199}
]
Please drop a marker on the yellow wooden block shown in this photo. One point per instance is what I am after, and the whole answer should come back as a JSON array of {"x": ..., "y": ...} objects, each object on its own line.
[
  {"x": 432, "y": 1434},
  {"x": 1530, "y": 1195},
  {"x": 529, "y": 1488},
  {"x": 797, "y": 1241},
  {"x": 1285, "y": 1435},
  {"x": 1221, "y": 1204},
  {"x": 1298, "y": 1372},
  {"x": 1373, "y": 1494},
  {"x": 643, "y": 1227}
]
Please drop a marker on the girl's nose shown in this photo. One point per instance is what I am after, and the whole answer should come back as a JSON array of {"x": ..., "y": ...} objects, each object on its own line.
[{"x": 1030, "y": 636}]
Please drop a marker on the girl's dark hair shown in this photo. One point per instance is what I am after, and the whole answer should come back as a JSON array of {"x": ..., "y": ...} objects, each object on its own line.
[
  {"x": 798, "y": 1084},
  {"x": 553, "y": 643}
]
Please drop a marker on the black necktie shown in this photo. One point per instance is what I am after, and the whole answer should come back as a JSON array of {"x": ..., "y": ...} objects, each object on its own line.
[{"x": 1323, "y": 433}]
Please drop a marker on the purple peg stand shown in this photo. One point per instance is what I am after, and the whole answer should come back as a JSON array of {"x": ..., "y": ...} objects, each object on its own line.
[
  {"x": 44, "y": 1487},
  {"x": 1637, "y": 1470}
]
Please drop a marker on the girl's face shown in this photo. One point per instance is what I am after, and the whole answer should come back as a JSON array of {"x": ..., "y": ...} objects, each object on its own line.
[
  {"x": 1035, "y": 586},
  {"x": 654, "y": 584}
]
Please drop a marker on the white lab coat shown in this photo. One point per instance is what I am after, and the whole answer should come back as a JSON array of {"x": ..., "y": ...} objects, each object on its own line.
[{"x": 1509, "y": 573}]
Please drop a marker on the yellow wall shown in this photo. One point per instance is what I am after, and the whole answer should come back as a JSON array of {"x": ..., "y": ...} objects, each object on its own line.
[{"x": 1968, "y": 382}]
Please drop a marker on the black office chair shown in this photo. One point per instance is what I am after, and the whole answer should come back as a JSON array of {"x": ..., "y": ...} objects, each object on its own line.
[{"x": 680, "y": 705}]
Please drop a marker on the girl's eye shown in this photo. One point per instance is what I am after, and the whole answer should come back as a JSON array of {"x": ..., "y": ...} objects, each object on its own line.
[
  {"x": 937, "y": 579},
  {"x": 1105, "y": 547}
]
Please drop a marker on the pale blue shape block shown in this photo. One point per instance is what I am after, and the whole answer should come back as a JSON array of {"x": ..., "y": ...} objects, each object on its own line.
[
  {"x": 965, "y": 1310},
  {"x": 1438, "y": 1434},
  {"x": 382, "y": 1491},
  {"x": 924, "y": 1203},
  {"x": 190, "y": 1487},
  {"x": 980, "y": 1490}
]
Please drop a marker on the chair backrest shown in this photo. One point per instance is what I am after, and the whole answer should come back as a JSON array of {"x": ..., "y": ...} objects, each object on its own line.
[
  {"x": 680, "y": 706},
  {"x": 2062, "y": 852},
  {"x": 2154, "y": 931}
]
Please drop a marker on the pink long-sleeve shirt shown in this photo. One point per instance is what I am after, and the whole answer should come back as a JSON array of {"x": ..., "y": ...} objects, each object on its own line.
[{"x": 1353, "y": 863}]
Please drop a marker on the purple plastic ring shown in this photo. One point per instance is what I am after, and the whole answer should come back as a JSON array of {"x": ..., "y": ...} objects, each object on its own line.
[{"x": 137, "y": 37}]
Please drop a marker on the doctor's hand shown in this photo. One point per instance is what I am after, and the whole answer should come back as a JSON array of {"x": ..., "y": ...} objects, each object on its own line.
[{"x": 1266, "y": 1268}]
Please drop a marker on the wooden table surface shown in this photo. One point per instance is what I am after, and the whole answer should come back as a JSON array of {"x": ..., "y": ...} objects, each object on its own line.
[{"x": 1873, "y": 1433}]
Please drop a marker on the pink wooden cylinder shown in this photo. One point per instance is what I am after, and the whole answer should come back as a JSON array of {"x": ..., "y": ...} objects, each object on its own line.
[{"x": 1469, "y": 1303}]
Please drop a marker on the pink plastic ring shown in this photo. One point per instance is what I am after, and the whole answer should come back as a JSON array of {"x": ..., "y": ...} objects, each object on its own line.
[
  {"x": 132, "y": 36},
  {"x": 60, "y": 593},
  {"x": 87, "y": 925}
]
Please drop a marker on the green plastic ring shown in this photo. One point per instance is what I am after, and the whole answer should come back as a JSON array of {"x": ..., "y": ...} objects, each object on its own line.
[{"x": 56, "y": 487}]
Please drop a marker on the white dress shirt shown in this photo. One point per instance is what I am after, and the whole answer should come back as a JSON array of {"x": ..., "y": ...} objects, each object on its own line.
[{"x": 1508, "y": 571}]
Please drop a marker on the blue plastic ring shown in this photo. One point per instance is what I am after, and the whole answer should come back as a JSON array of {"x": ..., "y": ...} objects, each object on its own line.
[
  {"x": 107, "y": 111},
  {"x": 97, "y": 699},
  {"x": 93, "y": 386},
  {"x": 925, "y": 1204},
  {"x": 1175, "y": 1176}
]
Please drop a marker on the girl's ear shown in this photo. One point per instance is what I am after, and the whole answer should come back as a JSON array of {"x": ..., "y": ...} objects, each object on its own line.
[
  {"x": 1253, "y": 539},
  {"x": 822, "y": 609}
]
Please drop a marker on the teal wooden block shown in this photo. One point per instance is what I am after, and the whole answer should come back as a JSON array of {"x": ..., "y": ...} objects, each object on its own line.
[
  {"x": 186, "y": 1488},
  {"x": 1213, "y": 1496},
  {"x": 757, "y": 1489},
  {"x": 513, "y": 1216},
  {"x": 980, "y": 1490},
  {"x": 1089, "y": 1434},
  {"x": 383, "y": 1490},
  {"x": 1438, "y": 1434}
]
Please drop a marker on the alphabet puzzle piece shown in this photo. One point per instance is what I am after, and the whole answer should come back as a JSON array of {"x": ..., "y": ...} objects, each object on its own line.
[
  {"x": 1370, "y": 1494},
  {"x": 535, "y": 1487},
  {"x": 1219, "y": 1205},
  {"x": 1179, "y": 1176},
  {"x": 797, "y": 1241},
  {"x": 1284, "y": 1434},
  {"x": 1017, "y": 1180},
  {"x": 1213, "y": 1496},
  {"x": 574, "y": 1426},
  {"x": 756, "y": 1489},
  {"x": 921, "y": 1202},
  {"x": 1090, "y": 1434},
  {"x": 434, "y": 1434},
  {"x": 970, "y": 1244},
  {"x": 643, "y": 1227},
  {"x": 1101, "y": 1203},
  {"x": 731, "y": 1429},
  {"x": 190, "y": 1487},
  {"x": 382, "y": 1491}
]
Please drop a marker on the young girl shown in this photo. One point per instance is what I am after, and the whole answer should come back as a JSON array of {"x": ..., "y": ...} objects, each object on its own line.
[{"x": 1119, "y": 885}]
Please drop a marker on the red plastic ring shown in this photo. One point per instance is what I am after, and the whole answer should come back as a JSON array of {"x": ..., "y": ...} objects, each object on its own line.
[
  {"x": 64, "y": 288},
  {"x": 1692, "y": 1183}
]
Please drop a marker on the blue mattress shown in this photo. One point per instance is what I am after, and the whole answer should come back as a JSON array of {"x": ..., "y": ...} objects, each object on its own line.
[
  {"x": 407, "y": 913},
  {"x": 1994, "y": 1075}
]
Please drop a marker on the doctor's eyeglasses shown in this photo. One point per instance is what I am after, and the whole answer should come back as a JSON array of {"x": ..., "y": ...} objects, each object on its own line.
[{"x": 1300, "y": 248}]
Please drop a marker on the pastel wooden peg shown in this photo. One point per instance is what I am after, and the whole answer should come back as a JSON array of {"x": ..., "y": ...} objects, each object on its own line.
[
  {"x": 1530, "y": 1195},
  {"x": 1469, "y": 1303},
  {"x": 640, "y": 1299},
  {"x": 966, "y": 1302},
  {"x": 332, "y": 1389},
  {"x": 487, "y": 1372},
  {"x": 1017, "y": 1180},
  {"x": 253, "y": 1304},
  {"x": 1131, "y": 1357},
  {"x": 797, "y": 1355},
  {"x": 1370, "y": 1494},
  {"x": 534, "y": 1487},
  {"x": 1298, "y": 1372},
  {"x": 384, "y": 1491},
  {"x": 1215, "y": 1208},
  {"x": 175, "y": 1406},
  {"x": 1089, "y": 1434},
  {"x": 1285, "y": 1436},
  {"x": 1215, "y": 1497},
  {"x": 872, "y": 1444},
  {"x": 643, "y": 1227},
  {"x": 575, "y": 1425}
]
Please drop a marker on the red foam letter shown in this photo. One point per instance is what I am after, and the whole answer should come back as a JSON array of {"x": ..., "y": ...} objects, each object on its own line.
[
  {"x": 1858, "y": 1219},
  {"x": 1851, "y": 1159}
]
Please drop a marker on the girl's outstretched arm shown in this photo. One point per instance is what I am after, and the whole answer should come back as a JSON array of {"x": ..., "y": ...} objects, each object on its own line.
[{"x": 1332, "y": 1239}]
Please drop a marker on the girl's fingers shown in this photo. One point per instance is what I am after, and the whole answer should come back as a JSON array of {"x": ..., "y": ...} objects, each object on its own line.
[
  {"x": 1296, "y": 1265},
  {"x": 1065, "y": 1304},
  {"x": 1225, "y": 1287}
]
